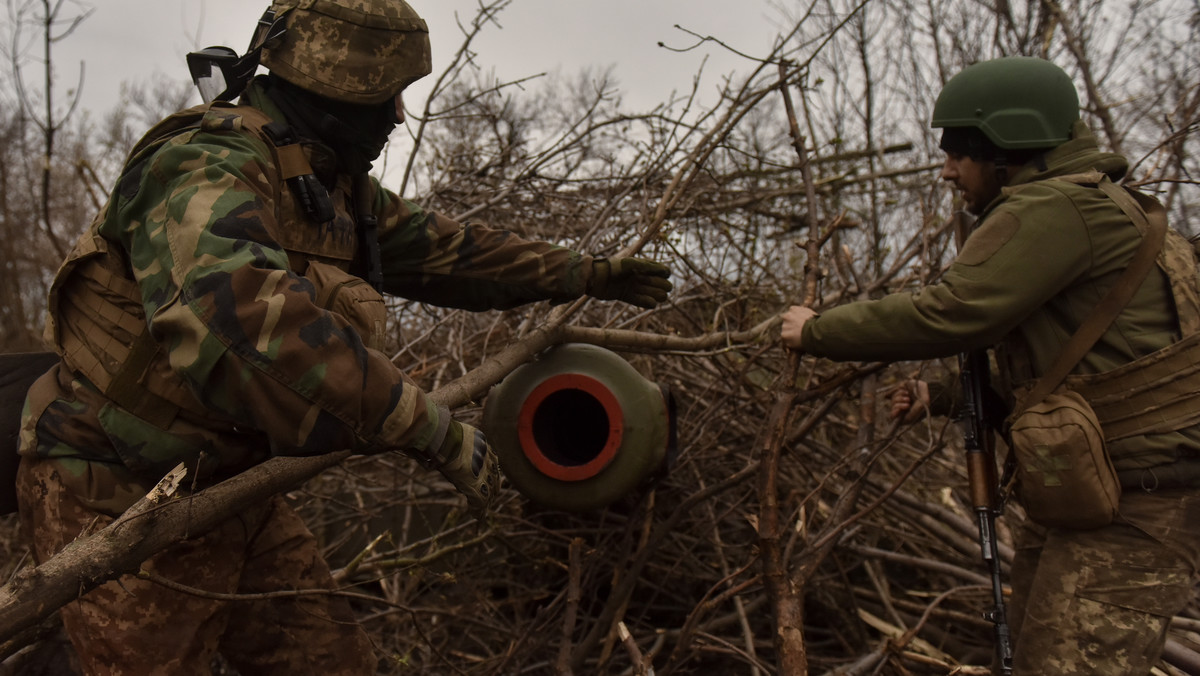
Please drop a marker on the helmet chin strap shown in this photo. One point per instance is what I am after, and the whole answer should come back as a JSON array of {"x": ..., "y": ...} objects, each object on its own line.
[{"x": 1001, "y": 167}]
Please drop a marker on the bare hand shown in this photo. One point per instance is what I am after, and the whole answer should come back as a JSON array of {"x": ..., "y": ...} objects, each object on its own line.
[
  {"x": 910, "y": 401},
  {"x": 793, "y": 325}
]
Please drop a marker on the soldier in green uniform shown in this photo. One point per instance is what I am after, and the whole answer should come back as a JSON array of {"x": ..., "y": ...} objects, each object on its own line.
[
  {"x": 224, "y": 307},
  {"x": 1047, "y": 246}
]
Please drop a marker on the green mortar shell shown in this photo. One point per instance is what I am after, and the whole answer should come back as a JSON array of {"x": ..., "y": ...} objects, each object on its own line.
[{"x": 579, "y": 427}]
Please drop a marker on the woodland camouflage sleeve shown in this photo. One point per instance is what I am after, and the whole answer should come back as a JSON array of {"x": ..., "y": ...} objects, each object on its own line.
[
  {"x": 430, "y": 258},
  {"x": 241, "y": 329}
]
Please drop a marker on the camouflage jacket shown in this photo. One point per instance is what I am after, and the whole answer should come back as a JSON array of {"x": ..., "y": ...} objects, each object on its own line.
[
  {"x": 1042, "y": 256},
  {"x": 192, "y": 308}
]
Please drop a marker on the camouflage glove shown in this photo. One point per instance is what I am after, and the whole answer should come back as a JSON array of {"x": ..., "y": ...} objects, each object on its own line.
[
  {"x": 636, "y": 281},
  {"x": 469, "y": 463}
]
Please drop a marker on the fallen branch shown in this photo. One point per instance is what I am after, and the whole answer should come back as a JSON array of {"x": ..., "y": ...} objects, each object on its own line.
[{"x": 143, "y": 530}]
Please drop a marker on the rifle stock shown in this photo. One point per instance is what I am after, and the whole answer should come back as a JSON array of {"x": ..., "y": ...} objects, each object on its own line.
[{"x": 984, "y": 490}]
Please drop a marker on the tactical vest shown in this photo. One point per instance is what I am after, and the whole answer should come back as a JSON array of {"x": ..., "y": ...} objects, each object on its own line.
[
  {"x": 96, "y": 316},
  {"x": 1160, "y": 392}
]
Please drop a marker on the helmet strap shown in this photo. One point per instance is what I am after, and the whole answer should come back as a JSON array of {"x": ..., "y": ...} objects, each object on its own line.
[
  {"x": 309, "y": 192},
  {"x": 368, "y": 264},
  {"x": 1000, "y": 162}
]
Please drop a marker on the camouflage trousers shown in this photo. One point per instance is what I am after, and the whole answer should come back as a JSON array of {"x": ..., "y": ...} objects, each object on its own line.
[
  {"x": 1098, "y": 602},
  {"x": 136, "y": 627}
]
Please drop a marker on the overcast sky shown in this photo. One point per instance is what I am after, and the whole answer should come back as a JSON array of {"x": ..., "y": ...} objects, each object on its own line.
[{"x": 131, "y": 40}]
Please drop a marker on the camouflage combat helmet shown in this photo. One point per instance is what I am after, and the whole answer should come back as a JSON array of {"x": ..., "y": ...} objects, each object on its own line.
[
  {"x": 1018, "y": 102},
  {"x": 355, "y": 51}
]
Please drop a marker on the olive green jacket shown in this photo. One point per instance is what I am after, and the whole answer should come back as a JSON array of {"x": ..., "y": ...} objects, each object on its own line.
[{"x": 1042, "y": 256}]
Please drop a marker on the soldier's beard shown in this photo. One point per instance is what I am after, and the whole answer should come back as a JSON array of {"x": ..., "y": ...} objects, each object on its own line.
[{"x": 355, "y": 133}]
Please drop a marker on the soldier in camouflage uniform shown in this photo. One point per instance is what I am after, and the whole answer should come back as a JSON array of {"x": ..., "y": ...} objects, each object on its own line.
[
  {"x": 1048, "y": 245},
  {"x": 224, "y": 308}
]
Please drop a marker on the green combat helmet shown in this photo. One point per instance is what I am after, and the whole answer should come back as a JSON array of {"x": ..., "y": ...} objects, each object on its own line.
[
  {"x": 1018, "y": 102},
  {"x": 354, "y": 51}
]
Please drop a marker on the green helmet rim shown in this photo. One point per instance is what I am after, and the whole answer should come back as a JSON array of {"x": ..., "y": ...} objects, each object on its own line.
[{"x": 1018, "y": 102}]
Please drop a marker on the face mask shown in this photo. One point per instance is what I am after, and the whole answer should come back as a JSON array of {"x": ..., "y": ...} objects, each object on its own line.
[{"x": 356, "y": 133}]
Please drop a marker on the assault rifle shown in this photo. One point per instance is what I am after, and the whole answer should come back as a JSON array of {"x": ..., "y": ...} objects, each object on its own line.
[{"x": 984, "y": 488}]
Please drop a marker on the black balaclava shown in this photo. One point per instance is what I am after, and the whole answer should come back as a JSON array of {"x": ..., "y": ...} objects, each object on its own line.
[{"x": 356, "y": 133}]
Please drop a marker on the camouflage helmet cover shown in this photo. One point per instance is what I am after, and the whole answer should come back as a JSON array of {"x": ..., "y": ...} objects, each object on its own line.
[
  {"x": 355, "y": 51},
  {"x": 1017, "y": 102}
]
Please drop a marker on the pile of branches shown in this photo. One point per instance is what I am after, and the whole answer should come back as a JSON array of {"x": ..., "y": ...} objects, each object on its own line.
[
  {"x": 669, "y": 579},
  {"x": 791, "y": 486}
]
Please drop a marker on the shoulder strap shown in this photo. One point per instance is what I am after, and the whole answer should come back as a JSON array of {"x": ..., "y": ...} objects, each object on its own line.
[
  {"x": 296, "y": 170},
  {"x": 369, "y": 259},
  {"x": 1150, "y": 218}
]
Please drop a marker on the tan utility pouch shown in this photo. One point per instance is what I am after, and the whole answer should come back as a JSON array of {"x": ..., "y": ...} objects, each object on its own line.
[
  {"x": 1066, "y": 478},
  {"x": 352, "y": 298}
]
